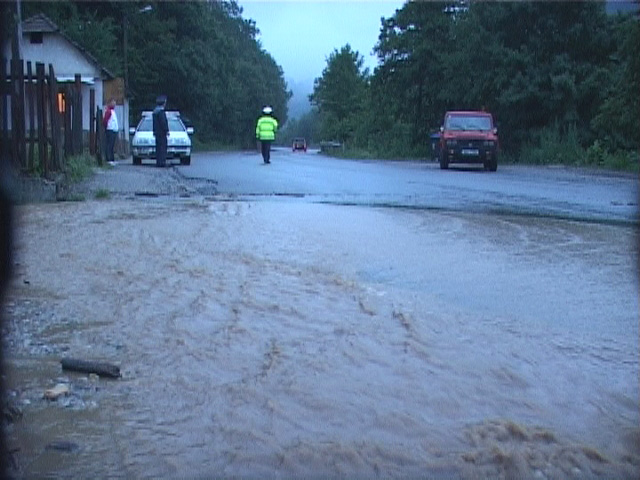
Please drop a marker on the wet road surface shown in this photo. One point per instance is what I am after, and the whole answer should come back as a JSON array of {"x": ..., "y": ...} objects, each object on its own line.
[
  {"x": 549, "y": 191},
  {"x": 272, "y": 333}
]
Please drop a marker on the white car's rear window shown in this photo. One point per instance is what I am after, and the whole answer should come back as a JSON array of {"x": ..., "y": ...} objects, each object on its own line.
[{"x": 175, "y": 125}]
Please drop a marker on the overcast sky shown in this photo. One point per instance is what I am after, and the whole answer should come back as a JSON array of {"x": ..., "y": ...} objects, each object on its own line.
[{"x": 301, "y": 34}]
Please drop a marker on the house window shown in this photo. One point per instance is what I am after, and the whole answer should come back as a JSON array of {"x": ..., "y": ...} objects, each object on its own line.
[
  {"x": 62, "y": 103},
  {"x": 35, "y": 37}
]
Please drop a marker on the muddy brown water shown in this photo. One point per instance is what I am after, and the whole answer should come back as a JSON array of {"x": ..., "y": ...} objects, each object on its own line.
[{"x": 282, "y": 339}]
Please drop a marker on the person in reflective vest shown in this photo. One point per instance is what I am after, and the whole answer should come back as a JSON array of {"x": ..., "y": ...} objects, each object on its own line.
[{"x": 266, "y": 132}]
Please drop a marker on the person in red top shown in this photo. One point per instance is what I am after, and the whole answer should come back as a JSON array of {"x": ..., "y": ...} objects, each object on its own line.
[{"x": 110, "y": 124}]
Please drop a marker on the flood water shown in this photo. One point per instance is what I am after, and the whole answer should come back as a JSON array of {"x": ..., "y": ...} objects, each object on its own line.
[{"x": 281, "y": 339}]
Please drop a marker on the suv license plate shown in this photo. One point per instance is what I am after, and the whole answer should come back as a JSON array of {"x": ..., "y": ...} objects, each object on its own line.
[{"x": 470, "y": 151}]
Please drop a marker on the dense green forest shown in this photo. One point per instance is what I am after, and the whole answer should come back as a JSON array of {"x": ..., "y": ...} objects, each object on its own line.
[
  {"x": 203, "y": 55},
  {"x": 561, "y": 78}
]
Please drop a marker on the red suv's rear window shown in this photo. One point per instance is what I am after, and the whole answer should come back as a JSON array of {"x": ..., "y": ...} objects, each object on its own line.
[{"x": 480, "y": 123}]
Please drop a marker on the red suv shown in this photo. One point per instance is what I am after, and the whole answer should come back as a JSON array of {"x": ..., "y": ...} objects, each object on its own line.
[{"x": 469, "y": 137}]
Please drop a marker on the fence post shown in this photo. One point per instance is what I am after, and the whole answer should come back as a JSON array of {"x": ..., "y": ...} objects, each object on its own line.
[
  {"x": 77, "y": 116},
  {"x": 22, "y": 127},
  {"x": 45, "y": 119},
  {"x": 30, "y": 93},
  {"x": 92, "y": 121},
  {"x": 99, "y": 135},
  {"x": 42, "y": 133},
  {"x": 17, "y": 112},
  {"x": 68, "y": 144},
  {"x": 55, "y": 120},
  {"x": 14, "y": 113},
  {"x": 4, "y": 134}
]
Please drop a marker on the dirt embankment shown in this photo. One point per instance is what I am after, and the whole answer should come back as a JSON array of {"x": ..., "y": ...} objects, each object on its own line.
[
  {"x": 126, "y": 179},
  {"x": 121, "y": 181}
]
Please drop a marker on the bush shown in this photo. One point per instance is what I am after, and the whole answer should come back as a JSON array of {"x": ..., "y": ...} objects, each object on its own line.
[
  {"x": 554, "y": 147},
  {"x": 354, "y": 153},
  {"x": 102, "y": 194},
  {"x": 198, "y": 145},
  {"x": 79, "y": 167},
  {"x": 397, "y": 142},
  {"x": 599, "y": 156}
]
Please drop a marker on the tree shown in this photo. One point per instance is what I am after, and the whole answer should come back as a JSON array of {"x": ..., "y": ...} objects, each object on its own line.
[
  {"x": 340, "y": 94},
  {"x": 618, "y": 117},
  {"x": 555, "y": 65},
  {"x": 86, "y": 25},
  {"x": 533, "y": 65},
  {"x": 406, "y": 97},
  {"x": 203, "y": 55}
]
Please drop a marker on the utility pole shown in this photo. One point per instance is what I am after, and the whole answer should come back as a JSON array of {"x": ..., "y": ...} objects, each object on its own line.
[
  {"x": 125, "y": 29},
  {"x": 125, "y": 58}
]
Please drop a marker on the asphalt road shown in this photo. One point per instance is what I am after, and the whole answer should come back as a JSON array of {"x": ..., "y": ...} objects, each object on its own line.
[{"x": 556, "y": 192}]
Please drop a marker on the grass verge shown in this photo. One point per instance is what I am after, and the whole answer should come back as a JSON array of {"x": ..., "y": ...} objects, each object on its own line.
[
  {"x": 102, "y": 194},
  {"x": 79, "y": 167}
]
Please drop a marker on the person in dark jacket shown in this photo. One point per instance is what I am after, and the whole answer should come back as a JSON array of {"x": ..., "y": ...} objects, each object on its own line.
[{"x": 160, "y": 131}]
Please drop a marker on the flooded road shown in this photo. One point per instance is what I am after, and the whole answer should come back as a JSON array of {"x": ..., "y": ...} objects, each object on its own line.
[{"x": 282, "y": 338}]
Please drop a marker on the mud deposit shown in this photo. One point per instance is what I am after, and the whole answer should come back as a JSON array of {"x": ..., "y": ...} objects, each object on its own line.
[{"x": 282, "y": 339}]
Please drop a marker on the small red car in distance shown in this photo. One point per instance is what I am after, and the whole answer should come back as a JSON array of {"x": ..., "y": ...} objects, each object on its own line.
[
  {"x": 469, "y": 137},
  {"x": 299, "y": 144}
]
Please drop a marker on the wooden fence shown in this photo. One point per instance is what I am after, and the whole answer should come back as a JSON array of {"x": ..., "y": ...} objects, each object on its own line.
[{"x": 41, "y": 120}]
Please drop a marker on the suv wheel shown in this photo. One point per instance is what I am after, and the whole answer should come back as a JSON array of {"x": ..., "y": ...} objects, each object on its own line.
[
  {"x": 444, "y": 164},
  {"x": 137, "y": 161},
  {"x": 491, "y": 165},
  {"x": 185, "y": 160}
]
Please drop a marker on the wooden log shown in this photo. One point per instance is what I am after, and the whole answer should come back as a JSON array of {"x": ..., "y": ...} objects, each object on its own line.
[
  {"x": 87, "y": 366},
  {"x": 63, "y": 446}
]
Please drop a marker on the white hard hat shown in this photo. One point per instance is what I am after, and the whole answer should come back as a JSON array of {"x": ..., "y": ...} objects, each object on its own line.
[{"x": 267, "y": 110}]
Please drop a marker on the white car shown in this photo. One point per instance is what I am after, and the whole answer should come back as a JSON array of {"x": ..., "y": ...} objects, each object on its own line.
[{"x": 143, "y": 142}]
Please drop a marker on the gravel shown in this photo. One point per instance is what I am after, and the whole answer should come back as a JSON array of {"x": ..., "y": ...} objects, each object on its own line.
[{"x": 125, "y": 180}]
